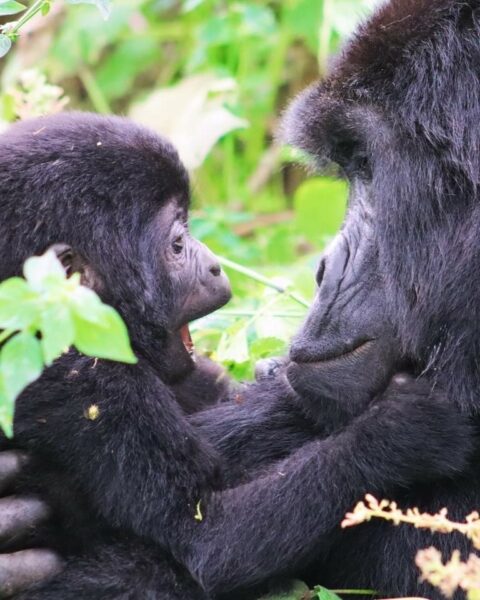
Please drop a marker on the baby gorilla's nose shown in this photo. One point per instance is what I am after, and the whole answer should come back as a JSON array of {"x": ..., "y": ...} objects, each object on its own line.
[{"x": 215, "y": 270}]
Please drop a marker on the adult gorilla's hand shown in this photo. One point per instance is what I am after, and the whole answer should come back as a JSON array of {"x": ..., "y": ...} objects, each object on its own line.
[{"x": 20, "y": 567}]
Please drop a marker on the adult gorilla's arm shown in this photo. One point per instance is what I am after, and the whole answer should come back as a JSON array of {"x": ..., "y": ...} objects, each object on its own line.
[
  {"x": 281, "y": 519},
  {"x": 260, "y": 424}
]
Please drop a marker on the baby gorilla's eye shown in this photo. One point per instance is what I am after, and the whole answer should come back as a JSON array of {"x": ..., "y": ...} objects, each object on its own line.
[{"x": 178, "y": 244}]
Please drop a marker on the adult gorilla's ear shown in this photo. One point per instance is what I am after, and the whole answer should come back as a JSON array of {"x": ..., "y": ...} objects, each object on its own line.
[{"x": 73, "y": 262}]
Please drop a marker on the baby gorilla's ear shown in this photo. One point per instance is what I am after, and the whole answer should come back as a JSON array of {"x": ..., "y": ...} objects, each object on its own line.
[{"x": 73, "y": 262}]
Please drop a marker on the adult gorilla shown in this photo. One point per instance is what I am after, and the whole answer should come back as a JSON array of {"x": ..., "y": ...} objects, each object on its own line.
[{"x": 399, "y": 113}]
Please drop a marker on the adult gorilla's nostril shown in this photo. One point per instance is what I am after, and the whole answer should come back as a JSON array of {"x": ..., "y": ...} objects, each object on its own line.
[{"x": 215, "y": 270}]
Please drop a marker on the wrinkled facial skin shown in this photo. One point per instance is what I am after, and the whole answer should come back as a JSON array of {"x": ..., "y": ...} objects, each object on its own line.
[
  {"x": 198, "y": 286},
  {"x": 345, "y": 352}
]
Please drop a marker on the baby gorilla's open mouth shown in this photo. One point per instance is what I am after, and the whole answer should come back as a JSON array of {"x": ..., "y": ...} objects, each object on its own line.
[{"x": 187, "y": 340}]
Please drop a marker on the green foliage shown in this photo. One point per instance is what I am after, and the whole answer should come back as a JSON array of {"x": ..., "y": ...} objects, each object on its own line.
[{"x": 42, "y": 316}]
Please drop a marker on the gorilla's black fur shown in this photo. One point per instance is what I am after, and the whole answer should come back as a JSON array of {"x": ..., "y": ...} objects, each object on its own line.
[
  {"x": 127, "y": 485},
  {"x": 399, "y": 113}
]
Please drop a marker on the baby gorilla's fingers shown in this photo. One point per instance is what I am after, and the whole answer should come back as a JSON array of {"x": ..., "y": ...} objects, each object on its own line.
[
  {"x": 20, "y": 570},
  {"x": 11, "y": 463},
  {"x": 18, "y": 515}
]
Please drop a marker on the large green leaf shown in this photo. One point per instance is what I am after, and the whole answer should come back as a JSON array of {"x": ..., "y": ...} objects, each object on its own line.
[
  {"x": 21, "y": 363},
  {"x": 18, "y": 308},
  {"x": 107, "y": 339}
]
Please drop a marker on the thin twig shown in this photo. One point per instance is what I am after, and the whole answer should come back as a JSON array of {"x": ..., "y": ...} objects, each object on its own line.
[{"x": 250, "y": 273}]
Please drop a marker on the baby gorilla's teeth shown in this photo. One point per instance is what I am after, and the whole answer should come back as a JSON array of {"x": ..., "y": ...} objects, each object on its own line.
[{"x": 187, "y": 339}]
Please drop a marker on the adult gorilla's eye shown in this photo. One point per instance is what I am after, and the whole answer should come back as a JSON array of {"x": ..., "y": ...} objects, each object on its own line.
[{"x": 178, "y": 244}]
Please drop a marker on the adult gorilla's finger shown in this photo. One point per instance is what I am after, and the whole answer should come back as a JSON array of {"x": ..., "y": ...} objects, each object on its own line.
[
  {"x": 20, "y": 570},
  {"x": 18, "y": 515},
  {"x": 11, "y": 463}
]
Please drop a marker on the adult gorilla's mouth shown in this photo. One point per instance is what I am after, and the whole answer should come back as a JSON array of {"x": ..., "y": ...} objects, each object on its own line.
[{"x": 356, "y": 351}]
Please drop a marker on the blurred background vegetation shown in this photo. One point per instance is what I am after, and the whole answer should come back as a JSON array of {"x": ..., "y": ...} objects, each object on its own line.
[{"x": 214, "y": 76}]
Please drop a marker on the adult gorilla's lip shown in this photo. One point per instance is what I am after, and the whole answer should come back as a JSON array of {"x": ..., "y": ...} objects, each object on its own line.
[{"x": 349, "y": 354}]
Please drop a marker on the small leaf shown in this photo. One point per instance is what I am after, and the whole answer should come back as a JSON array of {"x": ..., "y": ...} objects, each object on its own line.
[
  {"x": 5, "y": 44},
  {"x": 58, "y": 331},
  {"x": 20, "y": 363},
  {"x": 46, "y": 9},
  {"x": 17, "y": 304},
  {"x": 10, "y": 7},
  {"x": 325, "y": 594},
  {"x": 108, "y": 338},
  {"x": 41, "y": 271}
]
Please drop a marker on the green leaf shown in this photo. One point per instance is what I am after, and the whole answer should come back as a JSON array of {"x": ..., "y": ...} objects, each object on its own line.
[
  {"x": 42, "y": 271},
  {"x": 108, "y": 338},
  {"x": 6, "y": 411},
  {"x": 20, "y": 363},
  {"x": 320, "y": 207},
  {"x": 266, "y": 347},
  {"x": 17, "y": 304},
  {"x": 233, "y": 346},
  {"x": 5, "y": 44},
  {"x": 46, "y": 9},
  {"x": 10, "y": 7},
  {"x": 58, "y": 332},
  {"x": 104, "y": 6},
  {"x": 294, "y": 590},
  {"x": 324, "y": 594}
]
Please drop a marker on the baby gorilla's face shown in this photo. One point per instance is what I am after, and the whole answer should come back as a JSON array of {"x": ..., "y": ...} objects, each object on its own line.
[{"x": 198, "y": 285}]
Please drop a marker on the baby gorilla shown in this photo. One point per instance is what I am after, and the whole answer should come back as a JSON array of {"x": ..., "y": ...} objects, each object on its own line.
[{"x": 135, "y": 490}]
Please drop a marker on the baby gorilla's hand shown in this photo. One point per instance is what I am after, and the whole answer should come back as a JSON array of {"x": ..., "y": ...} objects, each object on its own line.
[
  {"x": 19, "y": 516},
  {"x": 421, "y": 421}
]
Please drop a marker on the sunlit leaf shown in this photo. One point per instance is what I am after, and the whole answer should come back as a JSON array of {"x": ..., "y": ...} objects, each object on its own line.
[
  {"x": 57, "y": 329},
  {"x": 40, "y": 271},
  {"x": 5, "y": 44},
  {"x": 108, "y": 339},
  {"x": 21, "y": 363},
  {"x": 10, "y": 7},
  {"x": 191, "y": 115},
  {"x": 17, "y": 304}
]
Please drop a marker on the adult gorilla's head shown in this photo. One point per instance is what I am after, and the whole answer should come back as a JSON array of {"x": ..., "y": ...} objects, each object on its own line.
[
  {"x": 399, "y": 113},
  {"x": 112, "y": 199}
]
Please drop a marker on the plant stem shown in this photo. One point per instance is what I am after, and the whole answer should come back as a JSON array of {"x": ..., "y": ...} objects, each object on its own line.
[
  {"x": 94, "y": 92},
  {"x": 31, "y": 12},
  {"x": 251, "y": 313},
  {"x": 262, "y": 279},
  {"x": 5, "y": 334}
]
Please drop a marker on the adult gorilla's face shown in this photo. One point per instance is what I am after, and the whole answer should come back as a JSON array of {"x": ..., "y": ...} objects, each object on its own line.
[{"x": 345, "y": 350}]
